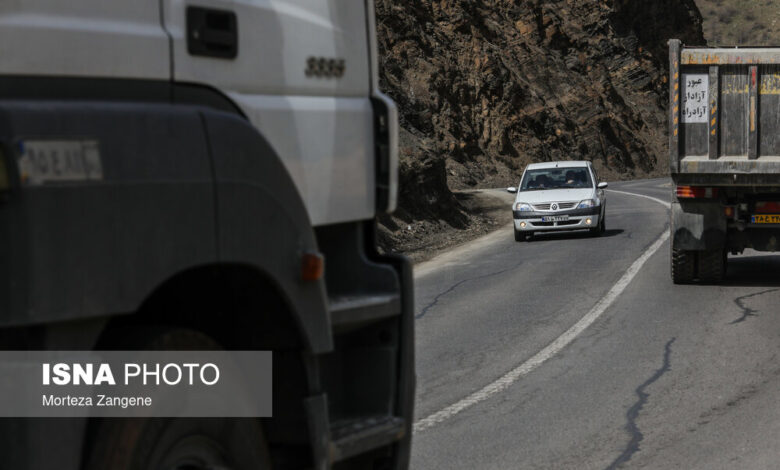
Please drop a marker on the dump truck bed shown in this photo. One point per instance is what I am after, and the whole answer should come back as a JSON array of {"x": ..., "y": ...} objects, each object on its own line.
[{"x": 724, "y": 115}]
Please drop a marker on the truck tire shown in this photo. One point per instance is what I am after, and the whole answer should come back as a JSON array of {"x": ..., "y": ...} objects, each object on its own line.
[
  {"x": 712, "y": 265},
  {"x": 683, "y": 266},
  {"x": 177, "y": 443},
  {"x": 184, "y": 443}
]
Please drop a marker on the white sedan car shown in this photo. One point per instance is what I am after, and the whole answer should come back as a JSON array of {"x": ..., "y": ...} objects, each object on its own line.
[{"x": 558, "y": 196}]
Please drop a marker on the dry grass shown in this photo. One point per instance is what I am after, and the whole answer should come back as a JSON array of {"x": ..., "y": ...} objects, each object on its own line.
[{"x": 741, "y": 22}]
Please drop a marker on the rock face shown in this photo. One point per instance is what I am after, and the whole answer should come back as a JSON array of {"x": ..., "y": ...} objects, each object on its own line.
[{"x": 486, "y": 86}]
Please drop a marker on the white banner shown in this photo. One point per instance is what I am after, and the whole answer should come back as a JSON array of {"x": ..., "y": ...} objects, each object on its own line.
[{"x": 695, "y": 97}]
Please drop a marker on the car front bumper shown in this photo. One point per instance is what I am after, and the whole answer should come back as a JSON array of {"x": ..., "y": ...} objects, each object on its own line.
[{"x": 530, "y": 221}]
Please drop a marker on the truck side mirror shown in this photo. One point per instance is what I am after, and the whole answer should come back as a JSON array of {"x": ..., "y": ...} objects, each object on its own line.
[
  {"x": 602, "y": 185},
  {"x": 511, "y": 189}
]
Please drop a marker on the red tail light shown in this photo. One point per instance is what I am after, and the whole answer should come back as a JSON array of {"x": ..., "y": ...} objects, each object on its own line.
[
  {"x": 696, "y": 192},
  {"x": 768, "y": 207}
]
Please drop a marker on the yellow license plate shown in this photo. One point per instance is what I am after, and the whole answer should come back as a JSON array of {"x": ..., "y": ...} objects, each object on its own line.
[{"x": 766, "y": 219}]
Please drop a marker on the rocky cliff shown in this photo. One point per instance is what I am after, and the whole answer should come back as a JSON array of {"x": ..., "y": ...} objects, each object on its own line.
[{"x": 485, "y": 87}]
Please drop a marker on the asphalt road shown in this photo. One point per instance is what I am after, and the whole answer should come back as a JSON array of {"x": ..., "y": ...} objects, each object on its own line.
[{"x": 662, "y": 376}]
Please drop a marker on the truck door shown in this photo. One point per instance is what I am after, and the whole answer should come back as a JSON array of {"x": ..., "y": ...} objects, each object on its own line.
[{"x": 300, "y": 71}]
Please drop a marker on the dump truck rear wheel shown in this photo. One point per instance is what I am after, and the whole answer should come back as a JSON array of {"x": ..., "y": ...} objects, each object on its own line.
[
  {"x": 683, "y": 266},
  {"x": 712, "y": 265}
]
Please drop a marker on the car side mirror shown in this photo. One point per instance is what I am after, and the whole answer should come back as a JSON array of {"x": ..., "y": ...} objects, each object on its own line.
[
  {"x": 511, "y": 189},
  {"x": 602, "y": 185}
]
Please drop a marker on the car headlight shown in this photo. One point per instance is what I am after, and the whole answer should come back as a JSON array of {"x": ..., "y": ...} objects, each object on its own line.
[
  {"x": 587, "y": 204},
  {"x": 523, "y": 206}
]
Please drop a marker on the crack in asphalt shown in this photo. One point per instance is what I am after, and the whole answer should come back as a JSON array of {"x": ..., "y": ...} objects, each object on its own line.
[
  {"x": 633, "y": 413},
  {"x": 458, "y": 284},
  {"x": 747, "y": 311}
]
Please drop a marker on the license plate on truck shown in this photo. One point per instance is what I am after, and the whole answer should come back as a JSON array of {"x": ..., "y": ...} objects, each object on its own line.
[
  {"x": 44, "y": 161},
  {"x": 766, "y": 219},
  {"x": 555, "y": 218}
]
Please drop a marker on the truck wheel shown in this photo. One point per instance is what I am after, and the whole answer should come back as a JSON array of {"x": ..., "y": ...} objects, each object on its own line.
[
  {"x": 177, "y": 443},
  {"x": 712, "y": 265},
  {"x": 683, "y": 266}
]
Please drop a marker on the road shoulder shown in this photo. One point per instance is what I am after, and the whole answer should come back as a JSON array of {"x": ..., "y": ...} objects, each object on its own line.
[{"x": 425, "y": 240}]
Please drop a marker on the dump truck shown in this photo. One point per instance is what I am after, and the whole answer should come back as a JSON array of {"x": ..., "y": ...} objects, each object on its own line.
[
  {"x": 185, "y": 175},
  {"x": 724, "y": 147}
]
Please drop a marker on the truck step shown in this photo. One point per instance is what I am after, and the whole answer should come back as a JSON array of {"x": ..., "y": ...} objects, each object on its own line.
[
  {"x": 353, "y": 437},
  {"x": 364, "y": 308}
]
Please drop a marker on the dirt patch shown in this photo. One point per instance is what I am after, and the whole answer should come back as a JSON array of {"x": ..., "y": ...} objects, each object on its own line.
[
  {"x": 486, "y": 210},
  {"x": 740, "y": 23}
]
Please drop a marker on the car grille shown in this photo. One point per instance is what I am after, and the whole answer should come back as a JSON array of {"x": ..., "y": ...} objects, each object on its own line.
[
  {"x": 561, "y": 206},
  {"x": 555, "y": 224}
]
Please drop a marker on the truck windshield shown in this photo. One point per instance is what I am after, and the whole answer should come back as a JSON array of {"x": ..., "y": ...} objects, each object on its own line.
[{"x": 556, "y": 178}]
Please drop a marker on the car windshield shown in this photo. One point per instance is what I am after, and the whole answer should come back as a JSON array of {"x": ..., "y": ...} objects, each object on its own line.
[{"x": 556, "y": 178}]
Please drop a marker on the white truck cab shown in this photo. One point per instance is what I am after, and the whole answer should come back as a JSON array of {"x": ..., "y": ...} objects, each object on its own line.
[
  {"x": 206, "y": 169},
  {"x": 304, "y": 73}
]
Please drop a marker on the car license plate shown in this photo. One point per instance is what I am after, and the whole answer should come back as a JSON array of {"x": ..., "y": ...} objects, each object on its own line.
[
  {"x": 555, "y": 218},
  {"x": 766, "y": 219}
]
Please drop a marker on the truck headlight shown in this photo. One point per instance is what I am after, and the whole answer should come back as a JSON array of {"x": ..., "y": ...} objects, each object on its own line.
[
  {"x": 587, "y": 204},
  {"x": 523, "y": 206}
]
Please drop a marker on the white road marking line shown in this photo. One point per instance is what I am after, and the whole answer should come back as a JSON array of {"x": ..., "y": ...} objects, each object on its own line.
[
  {"x": 659, "y": 201},
  {"x": 556, "y": 346}
]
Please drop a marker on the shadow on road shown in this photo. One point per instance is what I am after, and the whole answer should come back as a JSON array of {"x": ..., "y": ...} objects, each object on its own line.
[
  {"x": 542, "y": 236},
  {"x": 753, "y": 271}
]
